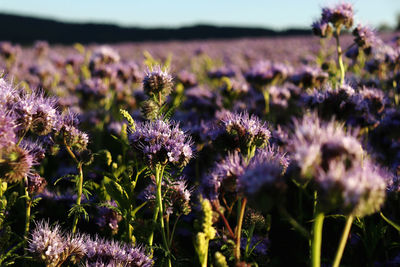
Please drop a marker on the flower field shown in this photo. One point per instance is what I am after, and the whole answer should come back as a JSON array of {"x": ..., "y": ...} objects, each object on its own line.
[{"x": 249, "y": 152}]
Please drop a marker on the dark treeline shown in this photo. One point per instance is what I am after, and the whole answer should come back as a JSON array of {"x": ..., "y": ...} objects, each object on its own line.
[{"x": 25, "y": 30}]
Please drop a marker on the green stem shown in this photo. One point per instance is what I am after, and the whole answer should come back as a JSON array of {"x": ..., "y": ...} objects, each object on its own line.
[
  {"x": 78, "y": 197},
  {"x": 249, "y": 237},
  {"x": 173, "y": 230},
  {"x": 294, "y": 223},
  {"x": 317, "y": 240},
  {"x": 28, "y": 209},
  {"x": 266, "y": 99},
  {"x": 239, "y": 230},
  {"x": 343, "y": 241},
  {"x": 154, "y": 222},
  {"x": 3, "y": 202},
  {"x": 159, "y": 176},
  {"x": 340, "y": 58}
]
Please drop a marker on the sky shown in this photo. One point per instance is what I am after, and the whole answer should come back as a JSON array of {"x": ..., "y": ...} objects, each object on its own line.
[{"x": 278, "y": 14}]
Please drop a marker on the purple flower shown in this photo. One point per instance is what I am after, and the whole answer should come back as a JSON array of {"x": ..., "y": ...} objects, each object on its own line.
[
  {"x": 340, "y": 15},
  {"x": 161, "y": 142},
  {"x": 334, "y": 159},
  {"x": 157, "y": 82},
  {"x": 44, "y": 114},
  {"x": 7, "y": 128},
  {"x": 109, "y": 252},
  {"x": 224, "y": 176},
  {"x": 69, "y": 132},
  {"x": 321, "y": 28},
  {"x": 264, "y": 173},
  {"x": 265, "y": 72},
  {"x": 109, "y": 217},
  {"x": 47, "y": 243},
  {"x": 248, "y": 132},
  {"x": 176, "y": 195},
  {"x": 365, "y": 37},
  {"x": 36, "y": 183},
  {"x": 15, "y": 163}
]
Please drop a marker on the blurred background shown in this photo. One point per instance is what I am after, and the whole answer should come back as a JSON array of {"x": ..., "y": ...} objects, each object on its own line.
[{"x": 107, "y": 21}]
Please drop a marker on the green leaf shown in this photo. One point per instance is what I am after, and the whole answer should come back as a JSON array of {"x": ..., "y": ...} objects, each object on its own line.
[
  {"x": 137, "y": 209},
  {"x": 117, "y": 192},
  {"x": 396, "y": 226}
]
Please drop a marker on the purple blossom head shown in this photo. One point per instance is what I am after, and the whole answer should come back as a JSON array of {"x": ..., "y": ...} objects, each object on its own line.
[
  {"x": 176, "y": 195},
  {"x": 112, "y": 252},
  {"x": 47, "y": 243},
  {"x": 244, "y": 131},
  {"x": 157, "y": 81},
  {"x": 104, "y": 55},
  {"x": 317, "y": 144},
  {"x": 365, "y": 37},
  {"x": 265, "y": 72},
  {"x": 359, "y": 191},
  {"x": 68, "y": 131},
  {"x": 7, "y": 128},
  {"x": 337, "y": 164},
  {"x": 224, "y": 176},
  {"x": 160, "y": 142},
  {"x": 340, "y": 15},
  {"x": 15, "y": 163},
  {"x": 109, "y": 217},
  {"x": 309, "y": 76},
  {"x": 222, "y": 72},
  {"x": 94, "y": 87},
  {"x": 36, "y": 183},
  {"x": 44, "y": 115},
  {"x": 263, "y": 177},
  {"x": 321, "y": 28}
]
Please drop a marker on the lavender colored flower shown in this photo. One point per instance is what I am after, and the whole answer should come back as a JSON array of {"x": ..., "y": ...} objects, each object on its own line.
[
  {"x": 264, "y": 72},
  {"x": 15, "y": 163},
  {"x": 248, "y": 132},
  {"x": 93, "y": 87},
  {"x": 176, "y": 195},
  {"x": 321, "y": 28},
  {"x": 222, "y": 72},
  {"x": 224, "y": 176},
  {"x": 7, "y": 128},
  {"x": 336, "y": 162},
  {"x": 308, "y": 76},
  {"x": 317, "y": 143},
  {"x": 263, "y": 177},
  {"x": 109, "y": 217},
  {"x": 187, "y": 79},
  {"x": 108, "y": 252},
  {"x": 44, "y": 115},
  {"x": 160, "y": 142},
  {"x": 364, "y": 37},
  {"x": 69, "y": 132},
  {"x": 157, "y": 82},
  {"x": 359, "y": 191},
  {"x": 47, "y": 243},
  {"x": 104, "y": 55},
  {"x": 36, "y": 183},
  {"x": 340, "y": 15}
]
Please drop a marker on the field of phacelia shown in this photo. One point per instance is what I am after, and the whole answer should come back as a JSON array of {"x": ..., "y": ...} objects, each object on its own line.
[{"x": 253, "y": 152}]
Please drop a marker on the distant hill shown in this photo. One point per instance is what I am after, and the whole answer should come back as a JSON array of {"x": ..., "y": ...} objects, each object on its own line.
[{"x": 25, "y": 30}]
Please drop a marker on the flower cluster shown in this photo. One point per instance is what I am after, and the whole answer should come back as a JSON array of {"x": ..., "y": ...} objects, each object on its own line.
[
  {"x": 176, "y": 195},
  {"x": 240, "y": 130},
  {"x": 335, "y": 160},
  {"x": 160, "y": 142},
  {"x": 53, "y": 246}
]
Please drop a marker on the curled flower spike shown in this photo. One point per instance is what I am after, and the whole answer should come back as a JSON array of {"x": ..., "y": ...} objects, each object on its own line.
[{"x": 157, "y": 83}]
